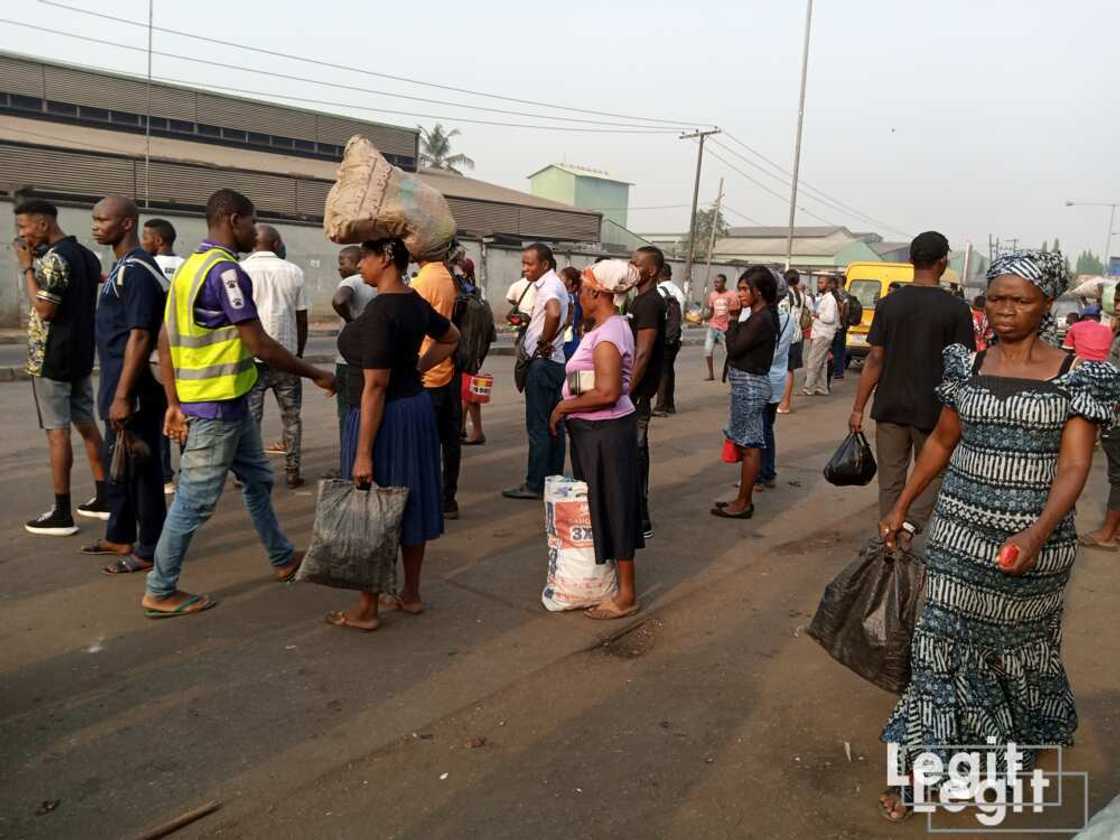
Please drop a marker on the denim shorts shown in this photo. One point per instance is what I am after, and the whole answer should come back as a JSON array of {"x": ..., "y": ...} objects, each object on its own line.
[
  {"x": 61, "y": 403},
  {"x": 713, "y": 338}
]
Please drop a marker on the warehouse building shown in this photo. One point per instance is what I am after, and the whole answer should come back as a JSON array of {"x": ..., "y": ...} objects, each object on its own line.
[{"x": 73, "y": 135}]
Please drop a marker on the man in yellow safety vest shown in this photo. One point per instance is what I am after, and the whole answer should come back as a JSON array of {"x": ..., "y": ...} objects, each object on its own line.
[{"x": 210, "y": 336}]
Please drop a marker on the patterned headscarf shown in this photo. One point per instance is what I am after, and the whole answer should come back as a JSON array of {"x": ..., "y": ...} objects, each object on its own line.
[{"x": 1046, "y": 270}]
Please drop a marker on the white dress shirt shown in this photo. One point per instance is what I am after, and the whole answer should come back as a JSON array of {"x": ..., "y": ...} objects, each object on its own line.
[
  {"x": 279, "y": 293},
  {"x": 548, "y": 287}
]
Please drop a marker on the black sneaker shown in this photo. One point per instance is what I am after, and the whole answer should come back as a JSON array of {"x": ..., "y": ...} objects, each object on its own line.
[
  {"x": 52, "y": 524},
  {"x": 647, "y": 532},
  {"x": 450, "y": 510},
  {"x": 94, "y": 509}
]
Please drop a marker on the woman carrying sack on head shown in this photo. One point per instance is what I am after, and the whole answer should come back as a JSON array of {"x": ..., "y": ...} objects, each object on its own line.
[
  {"x": 390, "y": 437},
  {"x": 603, "y": 428},
  {"x": 1016, "y": 432}
]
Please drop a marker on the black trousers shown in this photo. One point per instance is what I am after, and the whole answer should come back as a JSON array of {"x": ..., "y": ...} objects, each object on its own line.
[
  {"x": 666, "y": 391},
  {"x": 136, "y": 505},
  {"x": 447, "y": 401},
  {"x": 644, "y": 410}
]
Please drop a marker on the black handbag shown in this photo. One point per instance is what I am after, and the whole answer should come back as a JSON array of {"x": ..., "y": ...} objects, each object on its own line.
[
  {"x": 867, "y": 614},
  {"x": 521, "y": 365},
  {"x": 853, "y": 465}
]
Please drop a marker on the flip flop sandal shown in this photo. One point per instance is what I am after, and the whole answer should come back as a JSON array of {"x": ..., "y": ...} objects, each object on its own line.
[
  {"x": 338, "y": 619},
  {"x": 188, "y": 607},
  {"x": 393, "y": 603},
  {"x": 98, "y": 548},
  {"x": 1089, "y": 541},
  {"x": 127, "y": 565},
  {"x": 888, "y": 813},
  {"x": 722, "y": 513},
  {"x": 600, "y": 613},
  {"x": 478, "y": 442}
]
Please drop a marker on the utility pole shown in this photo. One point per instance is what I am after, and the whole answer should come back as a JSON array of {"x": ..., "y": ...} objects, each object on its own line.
[
  {"x": 712, "y": 238},
  {"x": 967, "y": 264},
  {"x": 148, "y": 118},
  {"x": 797, "y": 142},
  {"x": 695, "y": 198}
]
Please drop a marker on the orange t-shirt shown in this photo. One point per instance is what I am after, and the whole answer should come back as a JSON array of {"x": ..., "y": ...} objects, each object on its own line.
[{"x": 435, "y": 285}]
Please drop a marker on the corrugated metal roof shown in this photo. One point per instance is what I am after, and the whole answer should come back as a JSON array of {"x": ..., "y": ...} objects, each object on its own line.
[
  {"x": 582, "y": 172},
  {"x": 803, "y": 232}
]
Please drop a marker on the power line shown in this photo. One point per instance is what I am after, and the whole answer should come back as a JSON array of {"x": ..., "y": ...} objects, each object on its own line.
[
  {"x": 766, "y": 189},
  {"x": 321, "y": 63},
  {"x": 820, "y": 195},
  {"x": 642, "y": 129},
  {"x": 743, "y": 216}
]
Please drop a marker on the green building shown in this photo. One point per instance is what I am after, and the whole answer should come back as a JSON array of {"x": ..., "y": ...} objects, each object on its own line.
[{"x": 580, "y": 186}]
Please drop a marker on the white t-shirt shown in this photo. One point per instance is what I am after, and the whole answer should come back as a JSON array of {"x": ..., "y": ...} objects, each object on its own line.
[
  {"x": 827, "y": 319},
  {"x": 363, "y": 293},
  {"x": 548, "y": 287},
  {"x": 673, "y": 289},
  {"x": 514, "y": 295},
  {"x": 279, "y": 293},
  {"x": 169, "y": 264}
]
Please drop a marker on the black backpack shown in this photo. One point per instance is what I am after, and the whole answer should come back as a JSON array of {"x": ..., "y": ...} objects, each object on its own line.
[
  {"x": 475, "y": 321},
  {"x": 674, "y": 318},
  {"x": 855, "y": 311}
]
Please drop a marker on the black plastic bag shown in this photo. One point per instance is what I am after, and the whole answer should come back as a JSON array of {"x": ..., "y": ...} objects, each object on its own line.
[
  {"x": 866, "y": 616},
  {"x": 853, "y": 465},
  {"x": 355, "y": 537}
]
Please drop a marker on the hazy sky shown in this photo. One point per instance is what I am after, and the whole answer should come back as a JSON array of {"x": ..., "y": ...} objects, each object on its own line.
[{"x": 970, "y": 117}]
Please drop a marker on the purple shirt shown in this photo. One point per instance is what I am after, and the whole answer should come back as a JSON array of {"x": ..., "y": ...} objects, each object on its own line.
[
  {"x": 226, "y": 298},
  {"x": 615, "y": 331}
]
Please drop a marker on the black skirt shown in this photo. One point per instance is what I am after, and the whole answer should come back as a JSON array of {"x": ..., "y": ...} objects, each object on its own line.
[{"x": 605, "y": 455}]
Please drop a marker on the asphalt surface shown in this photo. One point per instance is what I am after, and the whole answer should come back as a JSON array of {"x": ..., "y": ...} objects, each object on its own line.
[{"x": 711, "y": 714}]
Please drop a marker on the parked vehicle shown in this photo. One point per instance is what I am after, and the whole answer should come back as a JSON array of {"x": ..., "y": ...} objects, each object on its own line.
[{"x": 869, "y": 282}]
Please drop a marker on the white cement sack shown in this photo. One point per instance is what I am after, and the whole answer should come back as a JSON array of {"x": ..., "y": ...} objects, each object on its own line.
[{"x": 574, "y": 580}]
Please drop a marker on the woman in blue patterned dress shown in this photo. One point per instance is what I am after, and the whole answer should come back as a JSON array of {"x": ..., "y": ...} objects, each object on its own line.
[{"x": 1017, "y": 434}]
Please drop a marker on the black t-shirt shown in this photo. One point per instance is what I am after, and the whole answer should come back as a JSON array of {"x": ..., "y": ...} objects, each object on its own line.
[
  {"x": 388, "y": 334},
  {"x": 69, "y": 353},
  {"x": 913, "y": 325},
  {"x": 647, "y": 312}
]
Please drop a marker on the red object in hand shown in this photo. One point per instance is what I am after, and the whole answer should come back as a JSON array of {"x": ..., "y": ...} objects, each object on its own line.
[{"x": 1008, "y": 557}]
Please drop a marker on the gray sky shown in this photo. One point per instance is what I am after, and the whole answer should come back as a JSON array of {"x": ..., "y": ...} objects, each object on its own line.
[{"x": 970, "y": 117}]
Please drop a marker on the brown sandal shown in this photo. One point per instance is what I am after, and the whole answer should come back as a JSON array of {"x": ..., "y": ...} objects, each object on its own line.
[{"x": 127, "y": 565}]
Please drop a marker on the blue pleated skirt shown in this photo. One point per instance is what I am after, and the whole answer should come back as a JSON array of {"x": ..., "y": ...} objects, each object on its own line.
[{"x": 405, "y": 454}]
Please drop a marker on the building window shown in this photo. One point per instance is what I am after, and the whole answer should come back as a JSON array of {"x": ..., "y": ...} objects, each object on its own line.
[
  {"x": 99, "y": 114},
  {"x": 282, "y": 142},
  {"x": 62, "y": 109},
  {"x": 158, "y": 123},
  {"x": 235, "y": 134},
  {"x": 305, "y": 146},
  {"x": 124, "y": 118},
  {"x": 180, "y": 126},
  {"x": 26, "y": 103},
  {"x": 258, "y": 139},
  {"x": 209, "y": 130}
]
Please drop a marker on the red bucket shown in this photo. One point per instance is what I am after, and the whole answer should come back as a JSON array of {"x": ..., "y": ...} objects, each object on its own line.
[
  {"x": 731, "y": 454},
  {"x": 477, "y": 387}
]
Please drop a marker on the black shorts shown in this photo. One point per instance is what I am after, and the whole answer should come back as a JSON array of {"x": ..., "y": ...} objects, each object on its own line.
[{"x": 795, "y": 360}]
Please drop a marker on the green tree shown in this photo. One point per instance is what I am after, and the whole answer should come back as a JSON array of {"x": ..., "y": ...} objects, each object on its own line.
[
  {"x": 435, "y": 150},
  {"x": 704, "y": 220},
  {"x": 1089, "y": 263}
]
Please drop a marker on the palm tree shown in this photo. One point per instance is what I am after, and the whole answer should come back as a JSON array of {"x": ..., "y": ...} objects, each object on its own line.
[{"x": 435, "y": 150}]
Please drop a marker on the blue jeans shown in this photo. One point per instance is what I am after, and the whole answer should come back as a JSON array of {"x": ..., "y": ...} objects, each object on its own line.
[
  {"x": 769, "y": 470},
  {"x": 214, "y": 447},
  {"x": 542, "y": 392}
]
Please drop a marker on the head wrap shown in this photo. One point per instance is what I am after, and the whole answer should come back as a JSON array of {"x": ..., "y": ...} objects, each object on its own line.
[
  {"x": 615, "y": 277},
  {"x": 782, "y": 284},
  {"x": 1046, "y": 270}
]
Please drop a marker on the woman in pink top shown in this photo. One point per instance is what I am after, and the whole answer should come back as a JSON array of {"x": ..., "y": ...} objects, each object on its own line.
[{"x": 603, "y": 428}]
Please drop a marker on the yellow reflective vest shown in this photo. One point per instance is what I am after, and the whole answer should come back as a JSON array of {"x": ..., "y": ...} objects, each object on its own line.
[{"x": 210, "y": 364}]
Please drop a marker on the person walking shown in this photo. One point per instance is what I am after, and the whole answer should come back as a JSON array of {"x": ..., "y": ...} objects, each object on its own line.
[
  {"x": 722, "y": 306},
  {"x": 648, "y": 321},
  {"x": 280, "y": 296},
  {"x": 543, "y": 342},
  {"x": 1089, "y": 339},
  {"x": 210, "y": 336},
  {"x": 674, "y": 335},
  {"x": 911, "y": 329},
  {"x": 434, "y": 284},
  {"x": 351, "y": 297},
  {"x": 826, "y": 320},
  {"x": 1016, "y": 435},
  {"x": 801, "y": 311},
  {"x": 129, "y": 399},
  {"x": 61, "y": 287},
  {"x": 750, "y": 354},
  {"x": 158, "y": 240},
  {"x": 602, "y": 426},
  {"x": 1107, "y": 537},
  {"x": 391, "y": 436}
]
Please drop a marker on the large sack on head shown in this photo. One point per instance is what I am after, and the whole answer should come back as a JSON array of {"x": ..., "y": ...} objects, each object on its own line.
[{"x": 372, "y": 199}]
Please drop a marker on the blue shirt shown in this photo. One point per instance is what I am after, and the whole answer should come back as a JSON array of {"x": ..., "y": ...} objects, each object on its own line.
[
  {"x": 226, "y": 298},
  {"x": 131, "y": 298}
]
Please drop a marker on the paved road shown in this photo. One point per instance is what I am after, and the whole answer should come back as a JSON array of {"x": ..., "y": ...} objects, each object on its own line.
[{"x": 487, "y": 717}]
